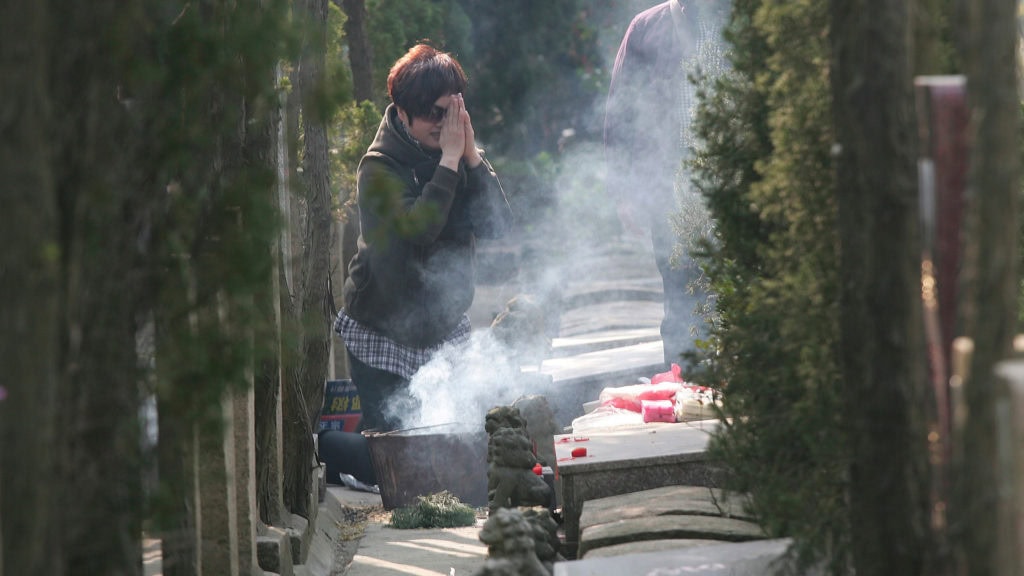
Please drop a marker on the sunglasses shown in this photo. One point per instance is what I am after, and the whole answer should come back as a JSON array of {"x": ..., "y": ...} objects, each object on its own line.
[{"x": 436, "y": 114}]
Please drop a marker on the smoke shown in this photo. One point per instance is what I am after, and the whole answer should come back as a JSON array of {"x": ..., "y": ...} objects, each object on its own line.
[{"x": 461, "y": 383}]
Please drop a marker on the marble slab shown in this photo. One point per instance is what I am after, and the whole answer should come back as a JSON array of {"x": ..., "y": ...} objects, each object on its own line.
[{"x": 754, "y": 558}]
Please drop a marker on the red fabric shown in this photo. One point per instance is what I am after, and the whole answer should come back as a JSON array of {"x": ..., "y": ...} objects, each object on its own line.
[
  {"x": 630, "y": 397},
  {"x": 674, "y": 375},
  {"x": 623, "y": 403}
]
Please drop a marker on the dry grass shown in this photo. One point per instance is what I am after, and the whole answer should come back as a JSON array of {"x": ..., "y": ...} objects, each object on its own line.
[{"x": 355, "y": 519}]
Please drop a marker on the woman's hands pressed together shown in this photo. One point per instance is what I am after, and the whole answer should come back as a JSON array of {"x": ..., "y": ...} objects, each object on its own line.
[{"x": 458, "y": 140}]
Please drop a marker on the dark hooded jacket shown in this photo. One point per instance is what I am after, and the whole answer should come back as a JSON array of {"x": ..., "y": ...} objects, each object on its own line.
[{"x": 412, "y": 278}]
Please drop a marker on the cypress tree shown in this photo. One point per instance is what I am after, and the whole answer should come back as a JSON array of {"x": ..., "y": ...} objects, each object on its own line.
[{"x": 764, "y": 169}]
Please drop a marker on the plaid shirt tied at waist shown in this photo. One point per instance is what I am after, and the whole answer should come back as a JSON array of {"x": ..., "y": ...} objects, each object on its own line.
[{"x": 380, "y": 352}]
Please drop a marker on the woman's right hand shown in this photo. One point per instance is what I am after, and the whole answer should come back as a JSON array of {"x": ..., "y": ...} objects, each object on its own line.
[{"x": 453, "y": 134}]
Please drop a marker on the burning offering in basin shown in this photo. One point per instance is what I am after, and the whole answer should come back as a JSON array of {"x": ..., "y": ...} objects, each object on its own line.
[{"x": 422, "y": 461}]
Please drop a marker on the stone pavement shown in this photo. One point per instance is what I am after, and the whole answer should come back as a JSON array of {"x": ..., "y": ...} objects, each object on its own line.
[{"x": 380, "y": 550}]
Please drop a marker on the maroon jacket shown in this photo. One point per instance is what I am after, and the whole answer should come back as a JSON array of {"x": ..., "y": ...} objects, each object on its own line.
[{"x": 642, "y": 122}]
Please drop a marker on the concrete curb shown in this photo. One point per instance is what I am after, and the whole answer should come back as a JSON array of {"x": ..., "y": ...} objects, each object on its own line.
[{"x": 326, "y": 540}]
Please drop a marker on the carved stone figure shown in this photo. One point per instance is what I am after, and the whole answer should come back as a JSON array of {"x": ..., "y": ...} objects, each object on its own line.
[
  {"x": 510, "y": 541},
  {"x": 511, "y": 481},
  {"x": 503, "y": 417},
  {"x": 545, "y": 536},
  {"x": 498, "y": 567}
]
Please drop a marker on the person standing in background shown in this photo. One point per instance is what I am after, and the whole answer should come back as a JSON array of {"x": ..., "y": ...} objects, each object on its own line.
[
  {"x": 425, "y": 193},
  {"x": 650, "y": 106}
]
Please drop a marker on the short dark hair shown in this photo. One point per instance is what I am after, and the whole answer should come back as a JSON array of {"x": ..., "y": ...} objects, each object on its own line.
[{"x": 423, "y": 75}]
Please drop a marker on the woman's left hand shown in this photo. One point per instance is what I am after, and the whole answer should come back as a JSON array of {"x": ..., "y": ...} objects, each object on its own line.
[{"x": 470, "y": 152}]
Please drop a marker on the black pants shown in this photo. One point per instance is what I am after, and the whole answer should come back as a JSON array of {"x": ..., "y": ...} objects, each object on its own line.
[
  {"x": 384, "y": 398},
  {"x": 346, "y": 453},
  {"x": 681, "y": 324}
]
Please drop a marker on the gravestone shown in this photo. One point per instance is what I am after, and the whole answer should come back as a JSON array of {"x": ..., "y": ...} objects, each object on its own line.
[
  {"x": 650, "y": 456},
  {"x": 228, "y": 516}
]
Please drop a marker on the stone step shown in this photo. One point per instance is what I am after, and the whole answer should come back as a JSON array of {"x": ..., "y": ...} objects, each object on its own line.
[
  {"x": 668, "y": 527},
  {"x": 752, "y": 558},
  {"x": 594, "y": 294},
  {"x": 578, "y": 379},
  {"x": 614, "y": 315},
  {"x": 646, "y": 546},
  {"x": 667, "y": 500},
  {"x": 565, "y": 346},
  {"x": 623, "y": 364}
]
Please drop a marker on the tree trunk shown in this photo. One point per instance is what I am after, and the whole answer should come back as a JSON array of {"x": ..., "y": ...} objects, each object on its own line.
[
  {"x": 269, "y": 452},
  {"x": 989, "y": 305},
  {"x": 29, "y": 265},
  {"x": 175, "y": 510},
  {"x": 97, "y": 181},
  {"x": 291, "y": 205},
  {"x": 360, "y": 51},
  {"x": 883, "y": 357},
  {"x": 306, "y": 368}
]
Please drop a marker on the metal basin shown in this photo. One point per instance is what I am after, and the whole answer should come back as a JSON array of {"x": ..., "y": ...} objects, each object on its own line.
[{"x": 420, "y": 462}]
